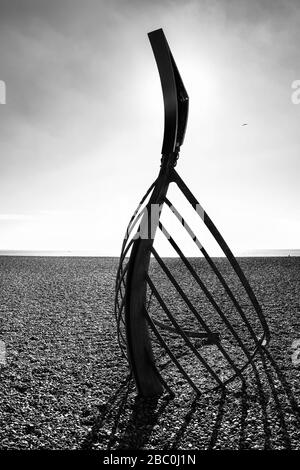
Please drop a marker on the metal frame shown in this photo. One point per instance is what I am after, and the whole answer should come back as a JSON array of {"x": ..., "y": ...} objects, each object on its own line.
[{"x": 133, "y": 280}]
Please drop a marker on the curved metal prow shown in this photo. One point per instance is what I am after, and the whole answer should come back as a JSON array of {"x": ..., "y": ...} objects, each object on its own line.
[{"x": 176, "y": 100}]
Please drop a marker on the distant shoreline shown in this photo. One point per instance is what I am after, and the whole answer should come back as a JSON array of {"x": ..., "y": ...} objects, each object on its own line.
[{"x": 284, "y": 253}]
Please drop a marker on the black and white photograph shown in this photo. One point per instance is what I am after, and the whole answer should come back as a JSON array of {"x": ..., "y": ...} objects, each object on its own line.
[{"x": 149, "y": 229}]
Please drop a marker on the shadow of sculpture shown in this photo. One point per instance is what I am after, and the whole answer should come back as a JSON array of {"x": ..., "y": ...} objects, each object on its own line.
[
  {"x": 112, "y": 409},
  {"x": 261, "y": 412},
  {"x": 145, "y": 415}
]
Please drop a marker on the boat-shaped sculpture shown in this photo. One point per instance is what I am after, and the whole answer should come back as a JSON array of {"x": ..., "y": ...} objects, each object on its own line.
[{"x": 181, "y": 321}]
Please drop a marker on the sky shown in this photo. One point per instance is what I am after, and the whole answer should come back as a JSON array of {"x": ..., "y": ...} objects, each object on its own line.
[{"x": 82, "y": 127}]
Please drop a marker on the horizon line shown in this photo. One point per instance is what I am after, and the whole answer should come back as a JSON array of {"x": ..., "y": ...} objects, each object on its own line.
[{"x": 267, "y": 252}]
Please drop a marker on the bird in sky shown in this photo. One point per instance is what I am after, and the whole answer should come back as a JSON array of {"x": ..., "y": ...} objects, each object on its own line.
[{"x": 245, "y": 124}]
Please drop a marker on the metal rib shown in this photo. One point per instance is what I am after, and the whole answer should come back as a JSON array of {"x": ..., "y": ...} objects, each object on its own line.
[
  {"x": 170, "y": 354},
  {"x": 192, "y": 308},
  {"x": 226, "y": 250},
  {"x": 189, "y": 333},
  {"x": 203, "y": 287},
  {"x": 181, "y": 332},
  {"x": 215, "y": 269}
]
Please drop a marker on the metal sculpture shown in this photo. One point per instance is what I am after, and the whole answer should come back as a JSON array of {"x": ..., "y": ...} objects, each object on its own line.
[{"x": 139, "y": 331}]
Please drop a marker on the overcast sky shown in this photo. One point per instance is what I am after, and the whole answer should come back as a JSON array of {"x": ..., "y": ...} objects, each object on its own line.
[{"x": 81, "y": 131}]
